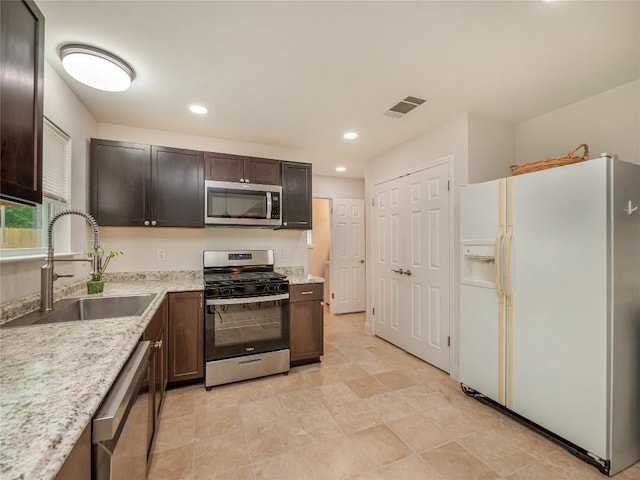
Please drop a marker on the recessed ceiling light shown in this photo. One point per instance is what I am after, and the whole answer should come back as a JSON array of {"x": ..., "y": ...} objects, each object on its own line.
[
  {"x": 199, "y": 109},
  {"x": 350, "y": 135},
  {"x": 341, "y": 169},
  {"x": 96, "y": 68}
]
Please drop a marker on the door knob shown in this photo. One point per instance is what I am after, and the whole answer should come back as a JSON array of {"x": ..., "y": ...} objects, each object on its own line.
[
  {"x": 400, "y": 271},
  {"x": 408, "y": 273},
  {"x": 361, "y": 261}
]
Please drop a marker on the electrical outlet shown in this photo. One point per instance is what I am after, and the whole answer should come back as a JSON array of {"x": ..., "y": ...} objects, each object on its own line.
[
  {"x": 285, "y": 253},
  {"x": 161, "y": 254}
]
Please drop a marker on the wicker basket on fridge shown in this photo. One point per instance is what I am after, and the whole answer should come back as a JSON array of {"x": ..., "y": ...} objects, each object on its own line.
[{"x": 552, "y": 162}]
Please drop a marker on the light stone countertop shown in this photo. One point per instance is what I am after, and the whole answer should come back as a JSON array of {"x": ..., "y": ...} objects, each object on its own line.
[
  {"x": 302, "y": 279},
  {"x": 54, "y": 377}
]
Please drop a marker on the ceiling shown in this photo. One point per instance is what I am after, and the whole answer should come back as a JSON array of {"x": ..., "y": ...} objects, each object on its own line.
[{"x": 299, "y": 74}]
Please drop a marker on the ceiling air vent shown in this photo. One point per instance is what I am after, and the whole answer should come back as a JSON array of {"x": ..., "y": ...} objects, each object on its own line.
[{"x": 400, "y": 109}]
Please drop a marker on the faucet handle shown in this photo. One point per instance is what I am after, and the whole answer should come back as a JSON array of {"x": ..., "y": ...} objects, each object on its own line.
[{"x": 61, "y": 275}]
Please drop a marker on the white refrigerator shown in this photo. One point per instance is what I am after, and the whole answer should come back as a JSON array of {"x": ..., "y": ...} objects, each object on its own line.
[{"x": 550, "y": 302}]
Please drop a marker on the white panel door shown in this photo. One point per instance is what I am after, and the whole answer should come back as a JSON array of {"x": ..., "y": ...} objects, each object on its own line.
[
  {"x": 426, "y": 265},
  {"x": 386, "y": 253},
  {"x": 347, "y": 256},
  {"x": 559, "y": 272},
  {"x": 411, "y": 263}
]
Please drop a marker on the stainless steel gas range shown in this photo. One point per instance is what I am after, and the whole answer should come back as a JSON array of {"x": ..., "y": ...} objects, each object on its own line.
[{"x": 246, "y": 316}]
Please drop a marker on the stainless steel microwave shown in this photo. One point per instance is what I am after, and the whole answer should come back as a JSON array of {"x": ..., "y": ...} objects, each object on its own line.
[{"x": 242, "y": 204}]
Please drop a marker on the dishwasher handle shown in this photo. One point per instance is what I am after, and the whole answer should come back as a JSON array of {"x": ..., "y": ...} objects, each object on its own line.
[{"x": 122, "y": 393}]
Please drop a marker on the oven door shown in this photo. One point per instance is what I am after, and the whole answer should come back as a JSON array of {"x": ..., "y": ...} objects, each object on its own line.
[
  {"x": 229, "y": 203},
  {"x": 243, "y": 326}
]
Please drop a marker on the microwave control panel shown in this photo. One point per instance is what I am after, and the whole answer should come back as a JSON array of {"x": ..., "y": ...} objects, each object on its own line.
[{"x": 275, "y": 206}]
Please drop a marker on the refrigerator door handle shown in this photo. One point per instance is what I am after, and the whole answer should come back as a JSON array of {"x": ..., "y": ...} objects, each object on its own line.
[
  {"x": 497, "y": 277},
  {"x": 507, "y": 263}
]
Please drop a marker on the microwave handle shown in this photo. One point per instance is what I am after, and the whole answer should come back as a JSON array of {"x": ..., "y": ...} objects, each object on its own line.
[{"x": 269, "y": 203}]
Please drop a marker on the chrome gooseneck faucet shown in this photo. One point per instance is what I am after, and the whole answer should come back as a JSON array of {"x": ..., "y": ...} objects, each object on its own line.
[{"x": 48, "y": 276}]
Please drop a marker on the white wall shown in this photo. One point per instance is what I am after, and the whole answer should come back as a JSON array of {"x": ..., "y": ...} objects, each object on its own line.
[
  {"x": 451, "y": 138},
  {"x": 62, "y": 107},
  {"x": 321, "y": 236},
  {"x": 164, "y": 138},
  {"x": 492, "y": 148},
  {"x": 184, "y": 246},
  {"x": 337, "y": 187},
  {"x": 608, "y": 122}
]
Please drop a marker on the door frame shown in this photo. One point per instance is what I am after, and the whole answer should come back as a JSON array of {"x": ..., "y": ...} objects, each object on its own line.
[
  {"x": 331, "y": 198},
  {"x": 453, "y": 247}
]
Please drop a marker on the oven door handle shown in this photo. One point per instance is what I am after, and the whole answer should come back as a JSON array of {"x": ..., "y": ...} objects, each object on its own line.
[{"x": 235, "y": 301}]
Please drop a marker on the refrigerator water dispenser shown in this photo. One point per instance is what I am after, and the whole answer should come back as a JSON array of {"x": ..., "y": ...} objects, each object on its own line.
[{"x": 478, "y": 264}]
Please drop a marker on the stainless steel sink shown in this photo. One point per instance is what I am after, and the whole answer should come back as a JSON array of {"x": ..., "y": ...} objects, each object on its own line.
[{"x": 87, "y": 308}]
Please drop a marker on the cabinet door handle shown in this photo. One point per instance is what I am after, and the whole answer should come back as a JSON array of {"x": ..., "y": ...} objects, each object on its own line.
[
  {"x": 146, "y": 222},
  {"x": 246, "y": 180},
  {"x": 158, "y": 344},
  {"x": 153, "y": 222},
  {"x": 200, "y": 300},
  {"x": 242, "y": 180},
  {"x": 306, "y": 293}
]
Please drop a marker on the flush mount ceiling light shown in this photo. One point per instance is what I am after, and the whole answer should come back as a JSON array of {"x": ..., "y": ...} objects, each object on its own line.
[
  {"x": 341, "y": 169},
  {"x": 96, "y": 68},
  {"x": 199, "y": 109},
  {"x": 350, "y": 135}
]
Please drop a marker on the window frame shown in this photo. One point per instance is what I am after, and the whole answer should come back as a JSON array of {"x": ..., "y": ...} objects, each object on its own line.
[{"x": 52, "y": 202}]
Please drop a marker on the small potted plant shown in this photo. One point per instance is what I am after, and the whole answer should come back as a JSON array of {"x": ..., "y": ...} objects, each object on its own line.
[{"x": 96, "y": 284}]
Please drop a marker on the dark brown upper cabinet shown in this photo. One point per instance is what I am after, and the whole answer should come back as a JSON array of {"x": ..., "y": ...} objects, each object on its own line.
[
  {"x": 141, "y": 185},
  {"x": 296, "y": 195},
  {"x": 21, "y": 87},
  {"x": 238, "y": 168},
  {"x": 177, "y": 187}
]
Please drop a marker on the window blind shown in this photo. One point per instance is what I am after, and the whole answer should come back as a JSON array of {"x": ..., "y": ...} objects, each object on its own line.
[{"x": 56, "y": 162}]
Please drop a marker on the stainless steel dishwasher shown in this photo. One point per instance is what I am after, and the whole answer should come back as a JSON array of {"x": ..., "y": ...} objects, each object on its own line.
[{"x": 120, "y": 427}]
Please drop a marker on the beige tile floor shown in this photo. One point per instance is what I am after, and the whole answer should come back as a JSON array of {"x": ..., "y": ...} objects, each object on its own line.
[{"x": 368, "y": 411}]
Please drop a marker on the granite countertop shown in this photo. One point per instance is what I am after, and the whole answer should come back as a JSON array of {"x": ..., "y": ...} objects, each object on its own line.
[
  {"x": 54, "y": 377},
  {"x": 302, "y": 279}
]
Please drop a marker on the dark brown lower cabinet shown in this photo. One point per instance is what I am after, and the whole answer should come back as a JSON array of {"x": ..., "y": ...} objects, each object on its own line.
[
  {"x": 306, "y": 330},
  {"x": 78, "y": 463},
  {"x": 186, "y": 330},
  {"x": 156, "y": 333}
]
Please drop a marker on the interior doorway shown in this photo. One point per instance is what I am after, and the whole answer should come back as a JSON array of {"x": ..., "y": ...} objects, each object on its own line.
[
  {"x": 337, "y": 252},
  {"x": 319, "y": 255}
]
